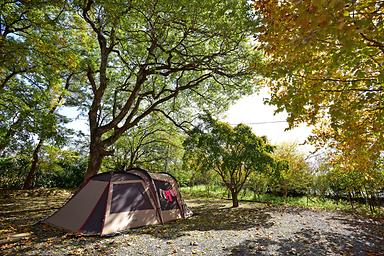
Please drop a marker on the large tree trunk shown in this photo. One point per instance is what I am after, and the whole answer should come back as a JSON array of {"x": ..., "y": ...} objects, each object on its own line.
[
  {"x": 28, "y": 184},
  {"x": 95, "y": 160},
  {"x": 235, "y": 201}
]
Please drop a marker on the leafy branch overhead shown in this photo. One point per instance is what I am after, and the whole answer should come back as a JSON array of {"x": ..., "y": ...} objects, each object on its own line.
[{"x": 325, "y": 67}]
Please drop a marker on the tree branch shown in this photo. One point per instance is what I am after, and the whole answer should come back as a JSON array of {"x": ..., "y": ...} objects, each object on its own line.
[
  {"x": 128, "y": 123},
  {"x": 374, "y": 42},
  {"x": 179, "y": 125}
]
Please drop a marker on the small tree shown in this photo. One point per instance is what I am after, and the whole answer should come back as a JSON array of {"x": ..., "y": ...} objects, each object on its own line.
[
  {"x": 233, "y": 153},
  {"x": 258, "y": 183},
  {"x": 294, "y": 176}
]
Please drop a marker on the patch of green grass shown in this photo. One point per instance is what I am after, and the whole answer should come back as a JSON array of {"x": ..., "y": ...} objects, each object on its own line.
[
  {"x": 202, "y": 191},
  {"x": 220, "y": 192}
]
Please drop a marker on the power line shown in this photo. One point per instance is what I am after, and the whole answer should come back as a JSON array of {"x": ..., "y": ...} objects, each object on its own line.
[{"x": 257, "y": 123}]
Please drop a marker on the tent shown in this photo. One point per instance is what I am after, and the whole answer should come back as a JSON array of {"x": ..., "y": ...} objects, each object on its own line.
[{"x": 114, "y": 201}]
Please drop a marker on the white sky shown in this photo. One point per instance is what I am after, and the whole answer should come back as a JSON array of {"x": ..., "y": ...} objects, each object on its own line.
[
  {"x": 78, "y": 122},
  {"x": 250, "y": 110}
]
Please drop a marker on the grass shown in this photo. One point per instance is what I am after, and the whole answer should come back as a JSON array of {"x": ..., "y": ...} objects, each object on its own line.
[{"x": 219, "y": 192}]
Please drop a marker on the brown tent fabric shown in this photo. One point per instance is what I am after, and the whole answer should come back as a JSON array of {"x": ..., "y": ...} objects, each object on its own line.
[{"x": 115, "y": 201}]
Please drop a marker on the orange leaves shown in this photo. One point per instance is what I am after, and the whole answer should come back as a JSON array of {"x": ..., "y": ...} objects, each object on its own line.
[{"x": 323, "y": 66}]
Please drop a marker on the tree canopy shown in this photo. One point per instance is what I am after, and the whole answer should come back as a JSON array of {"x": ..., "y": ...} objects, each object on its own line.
[
  {"x": 140, "y": 70},
  {"x": 141, "y": 55},
  {"x": 324, "y": 61},
  {"x": 35, "y": 73},
  {"x": 155, "y": 145},
  {"x": 292, "y": 174},
  {"x": 121, "y": 61}
]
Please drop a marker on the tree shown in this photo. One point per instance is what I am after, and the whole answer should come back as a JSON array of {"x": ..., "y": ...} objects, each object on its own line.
[
  {"x": 60, "y": 168},
  {"x": 258, "y": 183},
  {"x": 233, "y": 153},
  {"x": 293, "y": 171},
  {"x": 325, "y": 67},
  {"x": 47, "y": 126},
  {"x": 343, "y": 181},
  {"x": 34, "y": 77},
  {"x": 132, "y": 58},
  {"x": 198, "y": 172},
  {"x": 13, "y": 62},
  {"x": 140, "y": 55}
]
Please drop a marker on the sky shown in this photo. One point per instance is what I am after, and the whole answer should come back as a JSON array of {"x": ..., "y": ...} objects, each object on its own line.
[
  {"x": 250, "y": 110},
  {"x": 78, "y": 122}
]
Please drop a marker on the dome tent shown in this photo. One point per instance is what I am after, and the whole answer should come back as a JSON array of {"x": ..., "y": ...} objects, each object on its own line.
[{"x": 115, "y": 201}]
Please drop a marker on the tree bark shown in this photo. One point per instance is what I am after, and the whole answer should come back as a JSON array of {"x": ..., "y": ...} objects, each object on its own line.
[
  {"x": 285, "y": 191},
  {"x": 28, "y": 184},
  {"x": 235, "y": 201},
  {"x": 350, "y": 197},
  {"x": 95, "y": 159}
]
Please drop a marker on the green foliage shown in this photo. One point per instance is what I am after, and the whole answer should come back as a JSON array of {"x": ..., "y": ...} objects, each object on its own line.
[
  {"x": 288, "y": 175},
  {"x": 134, "y": 58},
  {"x": 293, "y": 170},
  {"x": 260, "y": 183},
  {"x": 204, "y": 191},
  {"x": 233, "y": 153},
  {"x": 339, "y": 181},
  {"x": 162, "y": 56},
  {"x": 155, "y": 144},
  {"x": 313, "y": 202},
  {"x": 35, "y": 74},
  {"x": 13, "y": 171},
  {"x": 139, "y": 67},
  {"x": 58, "y": 168}
]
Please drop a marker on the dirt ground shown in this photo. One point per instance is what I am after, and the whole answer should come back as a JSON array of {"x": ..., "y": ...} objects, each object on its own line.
[{"x": 214, "y": 229}]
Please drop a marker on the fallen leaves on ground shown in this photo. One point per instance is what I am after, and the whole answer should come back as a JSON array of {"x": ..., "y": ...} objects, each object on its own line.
[{"x": 215, "y": 228}]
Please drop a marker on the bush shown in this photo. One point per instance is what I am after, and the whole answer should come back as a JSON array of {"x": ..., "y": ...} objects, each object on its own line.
[
  {"x": 70, "y": 175},
  {"x": 62, "y": 172},
  {"x": 13, "y": 171}
]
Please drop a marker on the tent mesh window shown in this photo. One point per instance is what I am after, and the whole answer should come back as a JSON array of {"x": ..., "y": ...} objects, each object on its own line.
[
  {"x": 167, "y": 195},
  {"x": 129, "y": 197}
]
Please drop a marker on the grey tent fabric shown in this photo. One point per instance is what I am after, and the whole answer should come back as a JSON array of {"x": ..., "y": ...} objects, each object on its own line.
[{"x": 114, "y": 201}]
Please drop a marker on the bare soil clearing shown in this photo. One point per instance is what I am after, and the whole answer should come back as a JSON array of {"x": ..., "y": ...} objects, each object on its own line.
[{"x": 215, "y": 229}]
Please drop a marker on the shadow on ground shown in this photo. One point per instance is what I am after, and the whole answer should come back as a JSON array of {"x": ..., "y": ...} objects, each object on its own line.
[
  {"x": 22, "y": 214},
  {"x": 366, "y": 238},
  {"x": 21, "y": 209},
  {"x": 211, "y": 215},
  {"x": 308, "y": 242}
]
